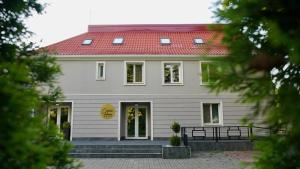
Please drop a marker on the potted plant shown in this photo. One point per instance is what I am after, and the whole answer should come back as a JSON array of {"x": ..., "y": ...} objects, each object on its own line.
[
  {"x": 66, "y": 129},
  {"x": 175, "y": 150},
  {"x": 174, "y": 139}
]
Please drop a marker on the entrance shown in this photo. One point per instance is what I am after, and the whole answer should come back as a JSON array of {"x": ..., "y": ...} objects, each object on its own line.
[
  {"x": 136, "y": 121},
  {"x": 60, "y": 114}
]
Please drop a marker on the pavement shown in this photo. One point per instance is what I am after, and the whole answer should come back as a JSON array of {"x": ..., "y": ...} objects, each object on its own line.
[{"x": 199, "y": 160}]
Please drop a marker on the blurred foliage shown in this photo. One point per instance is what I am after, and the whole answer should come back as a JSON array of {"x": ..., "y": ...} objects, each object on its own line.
[
  {"x": 175, "y": 140},
  {"x": 263, "y": 65},
  {"x": 27, "y": 80},
  {"x": 175, "y": 126}
]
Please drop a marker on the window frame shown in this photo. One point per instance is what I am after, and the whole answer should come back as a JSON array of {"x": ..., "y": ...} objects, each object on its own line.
[
  {"x": 200, "y": 67},
  {"x": 143, "y": 74},
  {"x": 115, "y": 41},
  {"x": 87, "y": 42},
  {"x": 220, "y": 111},
  {"x": 180, "y": 83},
  {"x": 161, "y": 41},
  {"x": 195, "y": 41},
  {"x": 97, "y": 72}
]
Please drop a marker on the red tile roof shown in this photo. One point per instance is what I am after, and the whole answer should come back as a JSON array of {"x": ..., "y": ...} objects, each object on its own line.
[{"x": 143, "y": 40}]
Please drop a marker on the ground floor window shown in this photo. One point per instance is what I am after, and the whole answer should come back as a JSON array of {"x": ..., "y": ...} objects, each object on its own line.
[{"x": 212, "y": 114}]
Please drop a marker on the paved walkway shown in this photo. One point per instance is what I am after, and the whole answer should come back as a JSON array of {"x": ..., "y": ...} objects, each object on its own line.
[{"x": 203, "y": 160}]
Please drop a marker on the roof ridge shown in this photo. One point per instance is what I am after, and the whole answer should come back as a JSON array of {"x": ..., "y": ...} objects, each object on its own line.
[{"x": 154, "y": 27}]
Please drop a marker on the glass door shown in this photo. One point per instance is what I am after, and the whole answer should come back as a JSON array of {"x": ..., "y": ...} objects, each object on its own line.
[
  {"x": 136, "y": 122},
  {"x": 59, "y": 115}
]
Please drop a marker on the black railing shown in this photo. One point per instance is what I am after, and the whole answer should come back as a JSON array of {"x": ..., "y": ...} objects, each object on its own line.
[{"x": 218, "y": 133}]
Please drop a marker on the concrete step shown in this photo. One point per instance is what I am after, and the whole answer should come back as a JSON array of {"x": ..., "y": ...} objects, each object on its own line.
[
  {"x": 119, "y": 146},
  {"x": 117, "y": 151},
  {"x": 116, "y": 155},
  {"x": 106, "y": 150}
]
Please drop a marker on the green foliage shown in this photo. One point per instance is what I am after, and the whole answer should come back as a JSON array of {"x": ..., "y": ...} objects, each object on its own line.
[
  {"x": 27, "y": 78},
  {"x": 263, "y": 65},
  {"x": 175, "y": 140},
  {"x": 175, "y": 127},
  {"x": 66, "y": 125}
]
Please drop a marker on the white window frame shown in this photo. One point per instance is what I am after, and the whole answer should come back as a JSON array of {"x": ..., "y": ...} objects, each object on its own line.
[
  {"x": 143, "y": 73},
  {"x": 118, "y": 41},
  {"x": 97, "y": 72},
  {"x": 180, "y": 73},
  {"x": 165, "y": 41},
  {"x": 58, "y": 115},
  {"x": 87, "y": 42},
  {"x": 220, "y": 107},
  {"x": 200, "y": 67},
  {"x": 198, "y": 41}
]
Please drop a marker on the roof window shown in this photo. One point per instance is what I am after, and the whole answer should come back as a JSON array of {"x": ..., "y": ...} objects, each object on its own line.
[
  {"x": 198, "y": 41},
  {"x": 165, "y": 41},
  {"x": 118, "y": 41},
  {"x": 87, "y": 42}
]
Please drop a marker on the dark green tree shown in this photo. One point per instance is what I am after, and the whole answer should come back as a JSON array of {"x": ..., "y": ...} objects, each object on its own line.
[
  {"x": 26, "y": 79},
  {"x": 263, "y": 65}
]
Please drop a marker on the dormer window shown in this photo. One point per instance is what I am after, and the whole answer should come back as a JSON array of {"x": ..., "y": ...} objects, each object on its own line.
[
  {"x": 198, "y": 41},
  {"x": 118, "y": 41},
  {"x": 165, "y": 41},
  {"x": 87, "y": 42}
]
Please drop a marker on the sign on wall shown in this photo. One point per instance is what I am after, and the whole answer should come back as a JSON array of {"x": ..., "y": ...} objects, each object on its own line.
[{"x": 108, "y": 111}]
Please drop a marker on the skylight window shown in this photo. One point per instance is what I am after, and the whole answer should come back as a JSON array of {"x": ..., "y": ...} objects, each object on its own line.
[
  {"x": 198, "y": 41},
  {"x": 165, "y": 41},
  {"x": 118, "y": 41},
  {"x": 87, "y": 42}
]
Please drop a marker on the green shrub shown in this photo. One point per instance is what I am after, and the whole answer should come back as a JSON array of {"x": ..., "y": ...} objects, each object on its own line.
[
  {"x": 66, "y": 125},
  {"x": 175, "y": 127},
  {"x": 175, "y": 140}
]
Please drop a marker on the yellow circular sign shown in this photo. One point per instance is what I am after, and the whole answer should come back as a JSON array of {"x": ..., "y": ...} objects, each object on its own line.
[{"x": 108, "y": 111}]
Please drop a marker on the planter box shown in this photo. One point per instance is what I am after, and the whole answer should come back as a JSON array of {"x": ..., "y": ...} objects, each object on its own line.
[{"x": 176, "y": 152}]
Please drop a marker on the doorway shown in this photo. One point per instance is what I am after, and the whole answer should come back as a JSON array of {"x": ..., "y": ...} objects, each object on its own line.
[
  {"x": 60, "y": 114},
  {"x": 135, "y": 120}
]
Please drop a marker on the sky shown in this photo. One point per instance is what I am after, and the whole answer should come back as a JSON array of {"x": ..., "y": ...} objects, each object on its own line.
[{"x": 63, "y": 19}]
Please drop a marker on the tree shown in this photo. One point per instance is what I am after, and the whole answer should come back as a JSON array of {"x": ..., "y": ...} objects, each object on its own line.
[
  {"x": 25, "y": 139},
  {"x": 263, "y": 64}
]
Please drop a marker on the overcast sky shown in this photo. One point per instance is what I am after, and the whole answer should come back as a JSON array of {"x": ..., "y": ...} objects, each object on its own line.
[{"x": 66, "y": 18}]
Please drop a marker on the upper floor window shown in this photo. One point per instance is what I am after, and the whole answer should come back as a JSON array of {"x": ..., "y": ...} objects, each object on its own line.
[
  {"x": 207, "y": 71},
  {"x": 172, "y": 72},
  {"x": 118, "y": 41},
  {"x": 87, "y": 42},
  {"x": 135, "y": 72},
  {"x": 100, "y": 70},
  {"x": 198, "y": 41},
  {"x": 165, "y": 41},
  {"x": 212, "y": 113}
]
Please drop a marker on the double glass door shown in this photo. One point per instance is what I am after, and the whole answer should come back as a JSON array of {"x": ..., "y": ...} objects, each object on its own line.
[
  {"x": 136, "y": 122},
  {"x": 59, "y": 115}
]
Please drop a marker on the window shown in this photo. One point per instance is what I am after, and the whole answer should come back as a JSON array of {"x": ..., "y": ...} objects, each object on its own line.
[
  {"x": 212, "y": 114},
  {"x": 198, "y": 41},
  {"x": 172, "y": 73},
  {"x": 87, "y": 42},
  {"x": 165, "y": 41},
  {"x": 208, "y": 73},
  {"x": 135, "y": 73},
  {"x": 100, "y": 71},
  {"x": 118, "y": 41}
]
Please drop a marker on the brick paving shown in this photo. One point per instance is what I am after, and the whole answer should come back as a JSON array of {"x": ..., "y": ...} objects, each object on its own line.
[{"x": 203, "y": 160}]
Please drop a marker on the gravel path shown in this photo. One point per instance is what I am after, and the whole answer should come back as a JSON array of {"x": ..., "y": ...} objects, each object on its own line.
[{"x": 203, "y": 160}]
